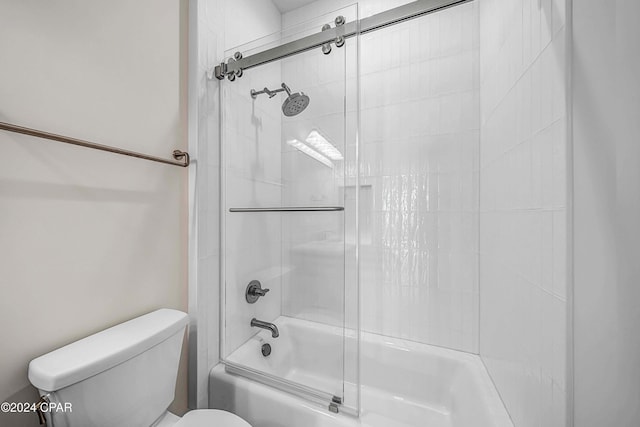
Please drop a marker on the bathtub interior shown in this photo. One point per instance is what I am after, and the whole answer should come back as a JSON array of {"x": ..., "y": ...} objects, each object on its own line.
[
  {"x": 403, "y": 383},
  {"x": 321, "y": 369}
]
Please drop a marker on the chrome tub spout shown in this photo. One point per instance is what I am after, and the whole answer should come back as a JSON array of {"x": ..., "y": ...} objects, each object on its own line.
[{"x": 266, "y": 325}]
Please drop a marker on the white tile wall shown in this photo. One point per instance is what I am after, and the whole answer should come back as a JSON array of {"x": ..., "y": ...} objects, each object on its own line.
[
  {"x": 321, "y": 7},
  {"x": 523, "y": 206},
  {"x": 420, "y": 155},
  {"x": 419, "y": 165},
  {"x": 251, "y": 134},
  {"x": 252, "y": 162},
  {"x": 313, "y": 244}
]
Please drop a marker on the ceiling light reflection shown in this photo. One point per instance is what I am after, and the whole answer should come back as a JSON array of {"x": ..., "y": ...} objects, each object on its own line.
[
  {"x": 310, "y": 152},
  {"x": 320, "y": 143}
]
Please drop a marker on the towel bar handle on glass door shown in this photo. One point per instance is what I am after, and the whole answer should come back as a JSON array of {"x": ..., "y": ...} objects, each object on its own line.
[{"x": 291, "y": 209}]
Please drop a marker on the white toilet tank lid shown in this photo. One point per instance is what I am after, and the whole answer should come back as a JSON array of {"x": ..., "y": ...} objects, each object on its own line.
[{"x": 104, "y": 350}]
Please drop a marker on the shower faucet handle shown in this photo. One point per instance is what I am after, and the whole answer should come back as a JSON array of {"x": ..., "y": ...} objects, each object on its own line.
[
  {"x": 260, "y": 292},
  {"x": 254, "y": 291}
]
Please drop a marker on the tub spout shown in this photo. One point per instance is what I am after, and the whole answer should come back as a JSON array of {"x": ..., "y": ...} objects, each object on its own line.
[{"x": 266, "y": 325}]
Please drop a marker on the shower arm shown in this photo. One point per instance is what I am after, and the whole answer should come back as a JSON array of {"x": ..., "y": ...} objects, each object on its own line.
[{"x": 271, "y": 93}]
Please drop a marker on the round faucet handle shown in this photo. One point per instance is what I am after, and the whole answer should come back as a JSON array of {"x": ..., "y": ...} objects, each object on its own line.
[{"x": 254, "y": 291}]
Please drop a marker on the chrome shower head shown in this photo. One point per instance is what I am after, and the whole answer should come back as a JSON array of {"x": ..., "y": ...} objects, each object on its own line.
[
  {"x": 292, "y": 106},
  {"x": 295, "y": 103}
]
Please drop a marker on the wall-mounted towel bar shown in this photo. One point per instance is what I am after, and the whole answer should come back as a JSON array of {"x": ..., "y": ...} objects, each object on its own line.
[{"x": 181, "y": 157}]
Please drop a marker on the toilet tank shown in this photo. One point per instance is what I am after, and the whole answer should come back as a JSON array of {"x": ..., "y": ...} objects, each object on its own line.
[{"x": 122, "y": 376}]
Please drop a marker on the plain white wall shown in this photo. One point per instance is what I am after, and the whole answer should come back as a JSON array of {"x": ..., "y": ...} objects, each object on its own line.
[
  {"x": 606, "y": 205},
  {"x": 88, "y": 239}
]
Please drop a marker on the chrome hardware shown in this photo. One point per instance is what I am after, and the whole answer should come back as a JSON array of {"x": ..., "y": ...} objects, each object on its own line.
[
  {"x": 340, "y": 22},
  {"x": 334, "y": 405},
  {"x": 266, "y": 349},
  {"x": 326, "y": 48},
  {"x": 254, "y": 291},
  {"x": 41, "y": 417},
  {"x": 410, "y": 10},
  {"x": 283, "y": 88},
  {"x": 294, "y": 104},
  {"x": 230, "y": 70},
  {"x": 339, "y": 40},
  {"x": 220, "y": 71},
  {"x": 266, "y": 325},
  {"x": 291, "y": 209},
  {"x": 231, "y": 75},
  {"x": 254, "y": 93},
  {"x": 238, "y": 73},
  {"x": 182, "y": 156}
]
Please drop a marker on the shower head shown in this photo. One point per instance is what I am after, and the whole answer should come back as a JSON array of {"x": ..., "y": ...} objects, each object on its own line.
[
  {"x": 292, "y": 106},
  {"x": 295, "y": 103}
]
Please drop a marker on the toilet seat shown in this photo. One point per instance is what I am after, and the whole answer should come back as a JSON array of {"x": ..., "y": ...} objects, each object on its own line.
[{"x": 211, "y": 418}]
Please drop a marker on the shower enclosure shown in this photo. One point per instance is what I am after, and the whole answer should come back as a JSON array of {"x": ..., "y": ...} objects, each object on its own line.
[
  {"x": 392, "y": 201},
  {"x": 288, "y": 212}
]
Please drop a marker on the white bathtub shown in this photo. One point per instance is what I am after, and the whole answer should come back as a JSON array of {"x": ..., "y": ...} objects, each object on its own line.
[{"x": 404, "y": 384}]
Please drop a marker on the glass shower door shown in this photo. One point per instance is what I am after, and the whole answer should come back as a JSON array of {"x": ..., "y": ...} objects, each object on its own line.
[{"x": 287, "y": 259}]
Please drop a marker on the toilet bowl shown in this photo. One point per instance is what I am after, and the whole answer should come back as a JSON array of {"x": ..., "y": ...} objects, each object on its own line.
[
  {"x": 211, "y": 417},
  {"x": 122, "y": 376}
]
